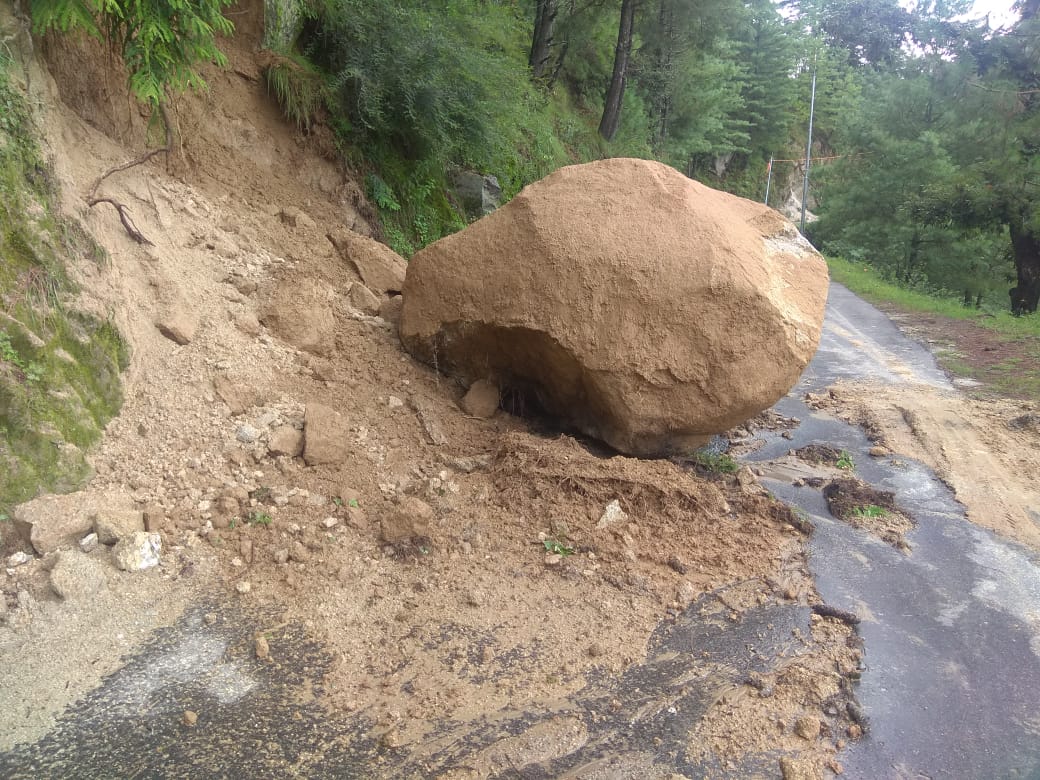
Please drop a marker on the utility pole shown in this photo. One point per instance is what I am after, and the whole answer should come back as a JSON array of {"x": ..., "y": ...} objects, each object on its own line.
[
  {"x": 808, "y": 145},
  {"x": 769, "y": 178}
]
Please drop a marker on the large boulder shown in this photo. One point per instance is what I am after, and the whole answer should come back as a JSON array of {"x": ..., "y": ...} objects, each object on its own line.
[{"x": 629, "y": 301}]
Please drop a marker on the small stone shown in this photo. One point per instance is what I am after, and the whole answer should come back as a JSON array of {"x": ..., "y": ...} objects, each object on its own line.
[
  {"x": 877, "y": 452},
  {"x": 481, "y": 400},
  {"x": 262, "y": 648},
  {"x": 394, "y": 402},
  {"x": 281, "y": 556},
  {"x": 178, "y": 326},
  {"x": 286, "y": 440},
  {"x": 553, "y": 559},
  {"x": 18, "y": 559},
  {"x": 245, "y": 549},
  {"x": 138, "y": 551},
  {"x": 77, "y": 577},
  {"x": 799, "y": 769},
  {"x": 243, "y": 586},
  {"x": 686, "y": 594},
  {"x": 111, "y": 525},
  {"x": 363, "y": 299},
  {"x": 746, "y": 477},
  {"x": 247, "y": 434},
  {"x": 248, "y": 324},
  {"x": 612, "y": 515},
  {"x": 210, "y": 618},
  {"x": 787, "y": 435},
  {"x": 89, "y": 542},
  {"x": 855, "y": 731},
  {"x": 595, "y": 650},
  {"x": 154, "y": 517},
  {"x": 299, "y": 553},
  {"x": 190, "y": 718},
  {"x": 409, "y": 520},
  {"x": 330, "y": 522},
  {"x": 326, "y": 436},
  {"x": 807, "y": 727}
]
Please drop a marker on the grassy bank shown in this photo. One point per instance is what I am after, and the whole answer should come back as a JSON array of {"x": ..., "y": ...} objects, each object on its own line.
[
  {"x": 865, "y": 282},
  {"x": 992, "y": 347}
]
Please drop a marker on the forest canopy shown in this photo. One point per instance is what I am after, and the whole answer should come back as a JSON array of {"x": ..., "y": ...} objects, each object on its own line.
[{"x": 925, "y": 138}]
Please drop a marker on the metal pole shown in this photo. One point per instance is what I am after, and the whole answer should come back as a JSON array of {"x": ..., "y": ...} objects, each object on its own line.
[
  {"x": 769, "y": 178},
  {"x": 808, "y": 145}
]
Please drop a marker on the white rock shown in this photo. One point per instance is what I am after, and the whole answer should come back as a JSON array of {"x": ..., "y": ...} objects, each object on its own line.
[
  {"x": 611, "y": 515},
  {"x": 394, "y": 402},
  {"x": 243, "y": 587},
  {"x": 89, "y": 542},
  {"x": 247, "y": 434},
  {"x": 18, "y": 559},
  {"x": 329, "y": 522},
  {"x": 137, "y": 552}
]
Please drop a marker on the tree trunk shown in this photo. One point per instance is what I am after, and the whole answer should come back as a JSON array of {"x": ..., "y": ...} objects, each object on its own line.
[
  {"x": 608, "y": 125},
  {"x": 1026, "y": 247},
  {"x": 542, "y": 39}
]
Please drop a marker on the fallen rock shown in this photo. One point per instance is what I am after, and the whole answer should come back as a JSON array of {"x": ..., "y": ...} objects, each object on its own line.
[
  {"x": 89, "y": 543},
  {"x": 286, "y": 440},
  {"x": 49, "y": 522},
  {"x": 612, "y": 515},
  {"x": 799, "y": 769},
  {"x": 190, "y": 718},
  {"x": 409, "y": 520},
  {"x": 380, "y": 268},
  {"x": 178, "y": 325},
  {"x": 18, "y": 559},
  {"x": 632, "y": 303},
  {"x": 325, "y": 435},
  {"x": 478, "y": 193},
  {"x": 238, "y": 397},
  {"x": 807, "y": 727},
  {"x": 363, "y": 299},
  {"x": 390, "y": 309},
  {"x": 481, "y": 400},
  {"x": 137, "y": 552},
  {"x": 248, "y": 323},
  {"x": 77, "y": 576},
  {"x": 262, "y": 648},
  {"x": 303, "y": 313},
  {"x": 154, "y": 517},
  {"x": 112, "y": 524},
  {"x": 296, "y": 218}
]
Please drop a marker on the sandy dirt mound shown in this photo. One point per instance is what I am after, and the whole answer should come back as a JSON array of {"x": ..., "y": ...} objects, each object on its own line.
[
  {"x": 961, "y": 439},
  {"x": 637, "y": 305}
]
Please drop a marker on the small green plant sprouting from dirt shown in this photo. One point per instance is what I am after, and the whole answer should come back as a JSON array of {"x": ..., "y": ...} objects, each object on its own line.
[
  {"x": 715, "y": 462},
  {"x": 259, "y": 518},
  {"x": 353, "y": 503},
  {"x": 870, "y": 510},
  {"x": 558, "y": 546},
  {"x": 845, "y": 462}
]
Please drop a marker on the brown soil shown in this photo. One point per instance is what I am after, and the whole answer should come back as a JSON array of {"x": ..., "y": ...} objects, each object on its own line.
[
  {"x": 417, "y": 631},
  {"x": 868, "y": 508}
]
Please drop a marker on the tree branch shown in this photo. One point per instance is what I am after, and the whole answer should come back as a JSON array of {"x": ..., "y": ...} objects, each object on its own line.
[{"x": 123, "y": 211}]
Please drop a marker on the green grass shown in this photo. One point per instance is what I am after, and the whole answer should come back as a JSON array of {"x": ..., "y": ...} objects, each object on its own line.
[
  {"x": 870, "y": 510},
  {"x": 866, "y": 282},
  {"x": 716, "y": 463},
  {"x": 845, "y": 462}
]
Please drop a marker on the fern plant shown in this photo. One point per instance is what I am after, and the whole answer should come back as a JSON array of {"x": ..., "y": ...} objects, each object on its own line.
[
  {"x": 298, "y": 87},
  {"x": 161, "y": 41}
]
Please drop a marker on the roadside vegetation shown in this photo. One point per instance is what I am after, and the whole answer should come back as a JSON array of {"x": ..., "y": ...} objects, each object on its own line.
[
  {"x": 59, "y": 368},
  {"x": 986, "y": 343}
]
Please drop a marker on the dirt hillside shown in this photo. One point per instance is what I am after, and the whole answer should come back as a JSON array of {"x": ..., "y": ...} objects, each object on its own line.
[{"x": 540, "y": 566}]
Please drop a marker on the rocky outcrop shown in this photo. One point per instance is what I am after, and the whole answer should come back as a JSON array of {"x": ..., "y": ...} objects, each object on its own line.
[{"x": 639, "y": 306}]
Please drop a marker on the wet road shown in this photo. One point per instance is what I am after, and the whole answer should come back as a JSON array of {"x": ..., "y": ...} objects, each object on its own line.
[
  {"x": 951, "y": 632},
  {"x": 952, "y": 635}
]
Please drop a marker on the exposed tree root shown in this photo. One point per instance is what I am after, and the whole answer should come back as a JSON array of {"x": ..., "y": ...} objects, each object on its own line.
[{"x": 123, "y": 211}]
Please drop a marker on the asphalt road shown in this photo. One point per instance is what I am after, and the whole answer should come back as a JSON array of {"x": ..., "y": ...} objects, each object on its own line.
[{"x": 952, "y": 685}]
